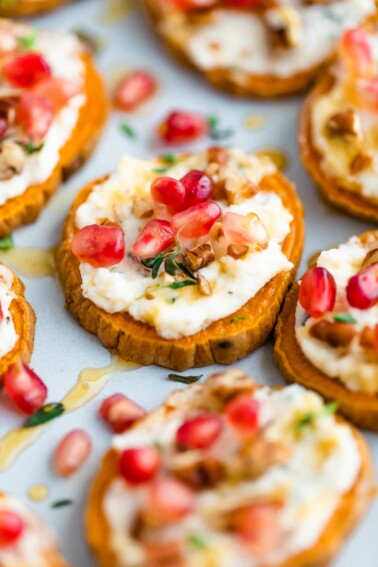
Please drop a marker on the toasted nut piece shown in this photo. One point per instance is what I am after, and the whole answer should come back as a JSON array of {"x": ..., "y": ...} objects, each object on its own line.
[
  {"x": 142, "y": 209},
  {"x": 237, "y": 252},
  {"x": 257, "y": 456},
  {"x": 8, "y": 107},
  {"x": 12, "y": 160},
  {"x": 204, "y": 286},
  {"x": 197, "y": 469},
  {"x": 346, "y": 123},
  {"x": 284, "y": 26},
  {"x": 218, "y": 155},
  {"x": 233, "y": 186},
  {"x": 321, "y": 2},
  {"x": 359, "y": 163},
  {"x": 104, "y": 221},
  {"x": 335, "y": 334},
  {"x": 199, "y": 257},
  {"x": 370, "y": 258},
  {"x": 367, "y": 338}
]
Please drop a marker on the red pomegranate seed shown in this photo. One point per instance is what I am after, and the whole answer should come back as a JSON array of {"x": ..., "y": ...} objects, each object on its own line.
[
  {"x": 243, "y": 414},
  {"x": 156, "y": 236},
  {"x": 35, "y": 115},
  {"x": 134, "y": 89},
  {"x": 139, "y": 466},
  {"x": 26, "y": 70},
  {"x": 362, "y": 289},
  {"x": 24, "y": 387},
  {"x": 168, "y": 191},
  {"x": 258, "y": 527},
  {"x": 199, "y": 432},
  {"x": 100, "y": 246},
  {"x": 120, "y": 412},
  {"x": 169, "y": 500},
  {"x": 244, "y": 229},
  {"x": 317, "y": 292},
  {"x": 71, "y": 452},
  {"x": 197, "y": 220},
  {"x": 356, "y": 52},
  {"x": 187, "y": 5},
  {"x": 57, "y": 90},
  {"x": 1, "y": 313},
  {"x": 11, "y": 528},
  {"x": 199, "y": 188},
  {"x": 3, "y": 126},
  {"x": 181, "y": 127}
]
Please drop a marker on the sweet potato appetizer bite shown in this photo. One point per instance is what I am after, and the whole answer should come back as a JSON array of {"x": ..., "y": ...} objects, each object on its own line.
[
  {"x": 230, "y": 473},
  {"x": 184, "y": 263},
  {"x": 52, "y": 109},
  {"x": 257, "y": 47},
  {"x": 24, "y": 8}
]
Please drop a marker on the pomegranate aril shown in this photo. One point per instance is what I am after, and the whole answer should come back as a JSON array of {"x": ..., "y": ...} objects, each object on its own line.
[
  {"x": 258, "y": 527},
  {"x": 196, "y": 221},
  {"x": 317, "y": 292},
  {"x": 100, "y": 246},
  {"x": 362, "y": 289},
  {"x": 3, "y": 126},
  {"x": 57, "y": 90},
  {"x": 198, "y": 186},
  {"x": 134, "y": 89},
  {"x": 243, "y": 414},
  {"x": 26, "y": 70},
  {"x": 24, "y": 388},
  {"x": 200, "y": 432},
  {"x": 356, "y": 52},
  {"x": 187, "y": 5},
  {"x": 168, "y": 191},
  {"x": 156, "y": 236},
  {"x": 181, "y": 127},
  {"x": 11, "y": 528},
  {"x": 244, "y": 229},
  {"x": 1, "y": 314},
  {"x": 138, "y": 466},
  {"x": 35, "y": 115},
  {"x": 169, "y": 500},
  {"x": 72, "y": 452},
  {"x": 120, "y": 412}
]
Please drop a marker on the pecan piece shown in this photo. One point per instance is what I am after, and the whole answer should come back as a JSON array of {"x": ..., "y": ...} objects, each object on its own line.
[
  {"x": 345, "y": 123},
  {"x": 335, "y": 334},
  {"x": 284, "y": 27},
  {"x": 370, "y": 258},
  {"x": 202, "y": 472},
  {"x": 8, "y": 107},
  {"x": 142, "y": 209},
  {"x": 204, "y": 286},
  {"x": 199, "y": 257},
  {"x": 360, "y": 162},
  {"x": 256, "y": 457},
  {"x": 236, "y": 251},
  {"x": 12, "y": 160},
  {"x": 218, "y": 155}
]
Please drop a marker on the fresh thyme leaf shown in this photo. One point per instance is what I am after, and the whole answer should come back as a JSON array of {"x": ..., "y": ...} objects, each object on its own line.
[
  {"x": 128, "y": 130},
  {"x": 44, "y": 414},
  {"x": 184, "y": 379},
  {"x": 91, "y": 42},
  {"x": 27, "y": 41},
  {"x": 169, "y": 158},
  {"x": 198, "y": 542},
  {"x": 217, "y": 133},
  {"x": 308, "y": 418},
  {"x": 237, "y": 318},
  {"x": 170, "y": 264},
  {"x": 187, "y": 272},
  {"x": 344, "y": 318},
  {"x": 61, "y": 503},
  {"x": 32, "y": 148},
  {"x": 158, "y": 445},
  {"x": 6, "y": 242},
  {"x": 213, "y": 122},
  {"x": 156, "y": 266},
  {"x": 183, "y": 283},
  {"x": 161, "y": 169}
]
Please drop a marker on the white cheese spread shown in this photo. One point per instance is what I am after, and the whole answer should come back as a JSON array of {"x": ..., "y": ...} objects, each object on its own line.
[{"x": 8, "y": 335}]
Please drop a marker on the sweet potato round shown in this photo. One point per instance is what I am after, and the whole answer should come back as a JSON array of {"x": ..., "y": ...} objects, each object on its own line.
[{"x": 24, "y": 8}]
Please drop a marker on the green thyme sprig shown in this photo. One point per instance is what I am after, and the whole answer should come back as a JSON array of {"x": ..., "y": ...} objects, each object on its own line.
[
  {"x": 171, "y": 265},
  {"x": 307, "y": 419}
]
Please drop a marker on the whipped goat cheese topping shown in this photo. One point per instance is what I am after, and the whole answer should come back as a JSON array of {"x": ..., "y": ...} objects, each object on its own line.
[
  {"x": 238, "y": 40},
  {"x": 183, "y": 312},
  {"x": 310, "y": 483},
  {"x": 351, "y": 367},
  {"x": 8, "y": 335}
]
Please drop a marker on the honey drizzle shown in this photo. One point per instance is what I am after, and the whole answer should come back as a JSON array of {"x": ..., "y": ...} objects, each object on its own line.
[
  {"x": 30, "y": 262},
  {"x": 278, "y": 157}
]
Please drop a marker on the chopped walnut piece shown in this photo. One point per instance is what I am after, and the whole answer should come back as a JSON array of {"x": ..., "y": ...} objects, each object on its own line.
[
  {"x": 368, "y": 338},
  {"x": 256, "y": 457},
  {"x": 142, "y": 209},
  {"x": 197, "y": 469},
  {"x": 218, "y": 155},
  {"x": 233, "y": 186},
  {"x": 12, "y": 160},
  {"x": 236, "y": 251},
  {"x": 105, "y": 221},
  {"x": 204, "y": 286},
  {"x": 335, "y": 334},
  {"x": 229, "y": 384},
  {"x": 199, "y": 257},
  {"x": 370, "y": 258},
  {"x": 360, "y": 162},
  {"x": 8, "y": 107},
  {"x": 284, "y": 27},
  {"x": 345, "y": 123}
]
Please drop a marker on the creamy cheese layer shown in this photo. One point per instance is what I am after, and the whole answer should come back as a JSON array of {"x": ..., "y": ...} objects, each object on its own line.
[
  {"x": 8, "y": 335},
  {"x": 63, "y": 54},
  {"x": 178, "y": 313},
  {"x": 238, "y": 40},
  {"x": 324, "y": 464},
  {"x": 352, "y": 368}
]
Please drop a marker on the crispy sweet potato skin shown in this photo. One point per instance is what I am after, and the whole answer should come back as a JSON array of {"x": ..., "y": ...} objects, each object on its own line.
[
  {"x": 24, "y": 321},
  {"x": 359, "y": 407},
  {"x": 221, "y": 342},
  {"x": 26, "y": 207},
  {"x": 23, "y": 8}
]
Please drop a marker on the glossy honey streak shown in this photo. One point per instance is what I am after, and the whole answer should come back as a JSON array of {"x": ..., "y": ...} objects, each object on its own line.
[{"x": 30, "y": 262}]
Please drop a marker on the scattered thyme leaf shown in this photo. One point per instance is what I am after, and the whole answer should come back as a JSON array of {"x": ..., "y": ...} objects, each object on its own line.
[
  {"x": 128, "y": 130},
  {"x": 217, "y": 133},
  {"x": 92, "y": 43},
  {"x": 161, "y": 170},
  {"x": 158, "y": 445},
  {"x": 183, "y": 283},
  {"x": 237, "y": 318},
  {"x": 198, "y": 542},
  {"x": 44, "y": 414},
  {"x": 169, "y": 158},
  {"x": 344, "y": 318},
  {"x": 32, "y": 148},
  {"x": 184, "y": 379},
  {"x": 308, "y": 418},
  {"x": 6, "y": 242},
  {"x": 27, "y": 41},
  {"x": 61, "y": 503}
]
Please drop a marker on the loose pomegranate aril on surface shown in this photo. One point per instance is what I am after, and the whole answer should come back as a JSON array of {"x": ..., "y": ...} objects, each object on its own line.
[
  {"x": 35, "y": 115},
  {"x": 258, "y": 527},
  {"x": 362, "y": 289},
  {"x": 169, "y": 500},
  {"x": 199, "y": 188},
  {"x": 71, "y": 452},
  {"x": 244, "y": 229},
  {"x": 57, "y": 90},
  {"x": 356, "y": 52},
  {"x": 11, "y": 528},
  {"x": 181, "y": 127},
  {"x": 243, "y": 414},
  {"x": 199, "y": 432},
  {"x": 120, "y": 412},
  {"x": 139, "y": 466},
  {"x": 3, "y": 126},
  {"x": 196, "y": 221},
  {"x": 134, "y": 89},
  {"x": 26, "y": 70},
  {"x": 24, "y": 387},
  {"x": 156, "y": 236},
  {"x": 317, "y": 292},
  {"x": 100, "y": 246},
  {"x": 168, "y": 191}
]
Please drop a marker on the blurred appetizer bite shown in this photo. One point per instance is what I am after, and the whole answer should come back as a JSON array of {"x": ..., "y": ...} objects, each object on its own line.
[
  {"x": 257, "y": 47},
  {"x": 229, "y": 473},
  {"x": 24, "y": 8},
  {"x": 338, "y": 129},
  {"x": 182, "y": 260},
  {"x": 327, "y": 333},
  {"x": 25, "y": 541},
  {"x": 52, "y": 109}
]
